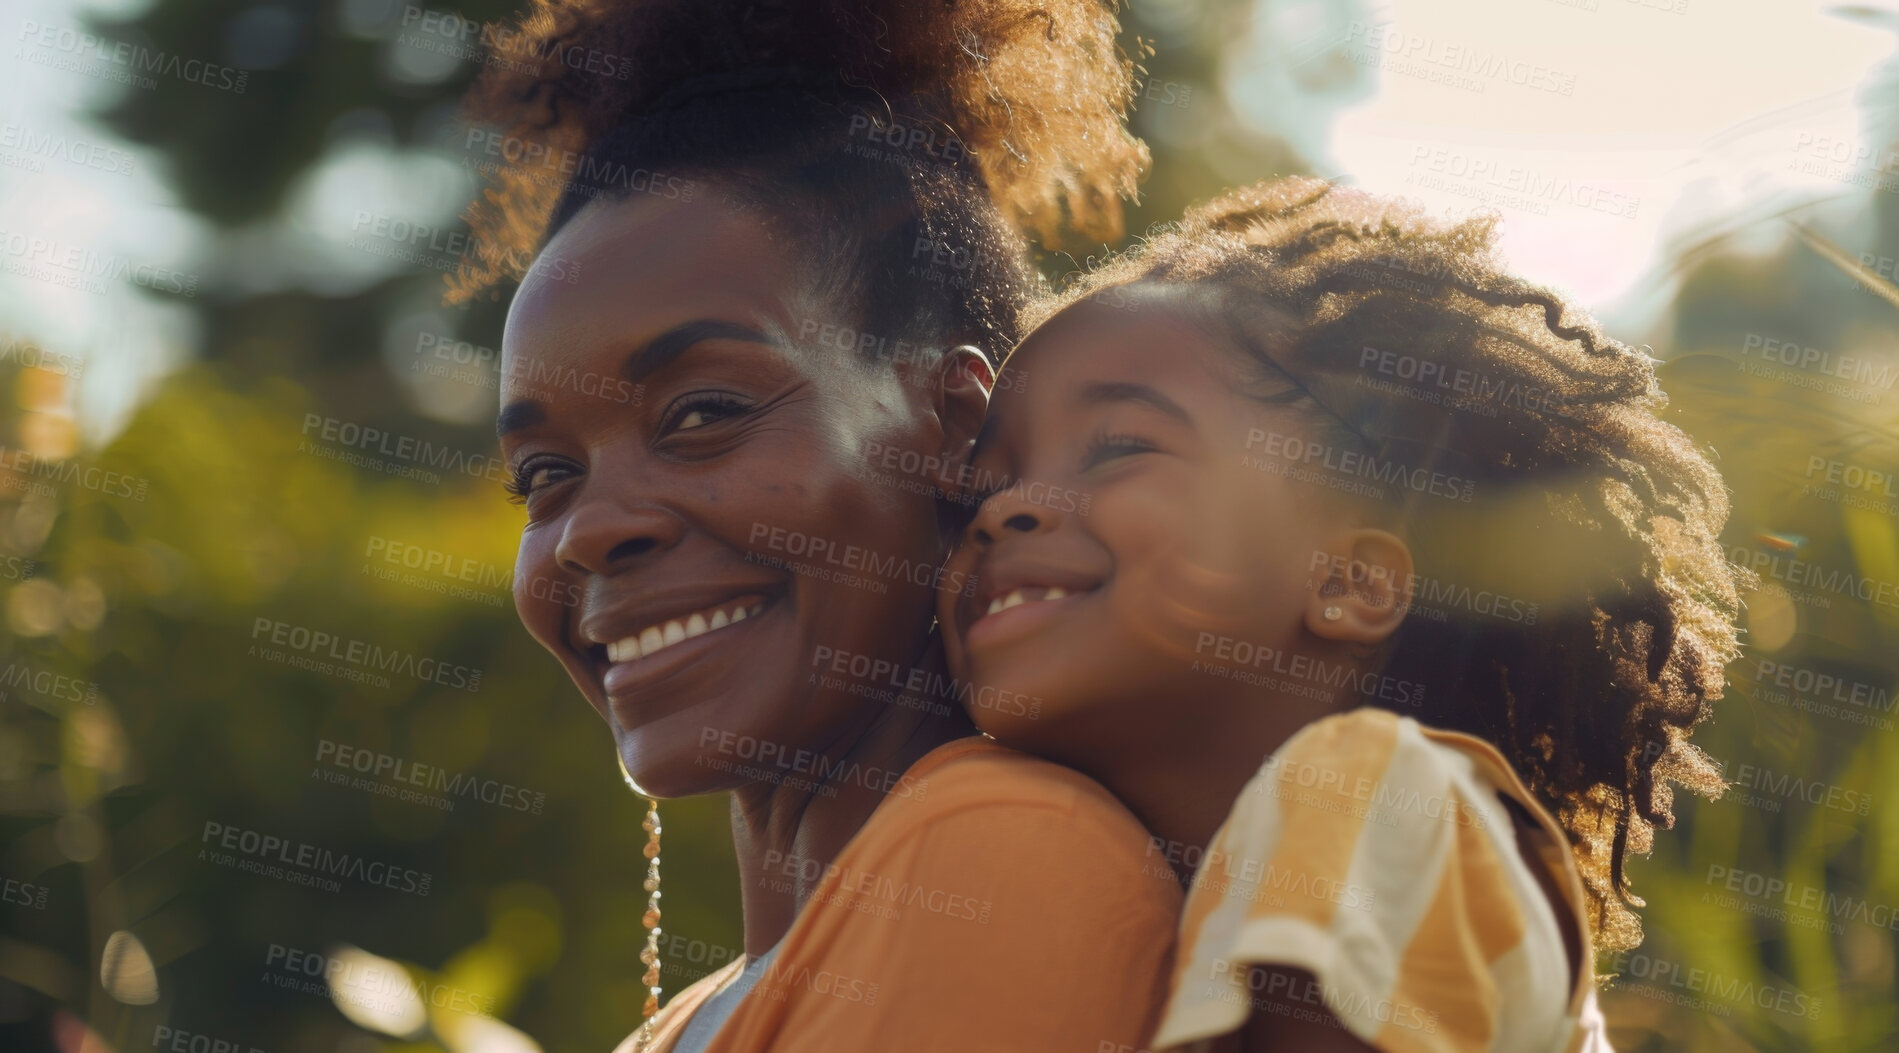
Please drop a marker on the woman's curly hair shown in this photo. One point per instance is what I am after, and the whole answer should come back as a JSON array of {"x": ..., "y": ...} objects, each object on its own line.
[
  {"x": 865, "y": 129},
  {"x": 1579, "y": 611}
]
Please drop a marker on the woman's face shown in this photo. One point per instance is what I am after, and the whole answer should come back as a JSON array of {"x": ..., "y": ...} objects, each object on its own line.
[
  {"x": 1142, "y": 486},
  {"x": 709, "y": 525}
]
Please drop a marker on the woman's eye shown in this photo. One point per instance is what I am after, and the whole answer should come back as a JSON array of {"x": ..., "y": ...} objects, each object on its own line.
[
  {"x": 531, "y": 477},
  {"x": 697, "y": 411}
]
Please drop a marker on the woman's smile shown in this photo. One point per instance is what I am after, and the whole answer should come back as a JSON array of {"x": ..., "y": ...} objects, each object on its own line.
[{"x": 648, "y": 638}]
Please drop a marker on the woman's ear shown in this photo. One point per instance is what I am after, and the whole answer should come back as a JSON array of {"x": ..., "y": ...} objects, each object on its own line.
[
  {"x": 962, "y": 380},
  {"x": 1360, "y": 595}
]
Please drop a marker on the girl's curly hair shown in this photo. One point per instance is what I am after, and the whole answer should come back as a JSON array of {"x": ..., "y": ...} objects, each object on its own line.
[
  {"x": 862, "y": 129},
  {"x": 1573, "y": 604}
]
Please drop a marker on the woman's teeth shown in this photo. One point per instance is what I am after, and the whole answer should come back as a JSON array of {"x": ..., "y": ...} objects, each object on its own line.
[
  {"x": 655, "y": 638},
  {"x": 1026, "y": 594}
]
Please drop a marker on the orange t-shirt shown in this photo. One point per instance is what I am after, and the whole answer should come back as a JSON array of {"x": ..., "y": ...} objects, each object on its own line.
[{"x": 1005, "y": 903}]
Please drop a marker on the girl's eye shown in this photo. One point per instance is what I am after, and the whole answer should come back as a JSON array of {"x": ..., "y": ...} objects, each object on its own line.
[
  {"x": 699, "y": 410},
  {"x": 1107, "y": 447}
]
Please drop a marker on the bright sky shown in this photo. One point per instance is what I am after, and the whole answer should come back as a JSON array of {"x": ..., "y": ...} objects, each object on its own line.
[{"x": 1595, "y": 127}]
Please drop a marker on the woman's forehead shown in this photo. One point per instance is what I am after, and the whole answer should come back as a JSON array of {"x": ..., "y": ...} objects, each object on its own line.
[{"x": 621, "y": 268}]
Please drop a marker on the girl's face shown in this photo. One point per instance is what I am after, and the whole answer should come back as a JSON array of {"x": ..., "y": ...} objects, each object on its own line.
[
  {"x": 704, "y": 531},
  {"x": 1142, "y": 548}
]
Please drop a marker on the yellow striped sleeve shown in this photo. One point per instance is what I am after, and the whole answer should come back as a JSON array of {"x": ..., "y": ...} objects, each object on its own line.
[
  {"x": 1473, "y": 921},
  {"x": 1383, "y": 863}
]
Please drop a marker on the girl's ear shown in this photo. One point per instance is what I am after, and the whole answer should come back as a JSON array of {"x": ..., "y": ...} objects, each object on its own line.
[{"x": 1362, "y": 592}]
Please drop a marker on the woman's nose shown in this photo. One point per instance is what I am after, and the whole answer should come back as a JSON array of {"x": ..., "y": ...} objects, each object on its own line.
[{"x": 609, "y": 532}]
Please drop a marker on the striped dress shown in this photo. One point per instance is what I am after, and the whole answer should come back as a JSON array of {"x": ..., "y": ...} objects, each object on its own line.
[{"x": 1376, "y": 854}]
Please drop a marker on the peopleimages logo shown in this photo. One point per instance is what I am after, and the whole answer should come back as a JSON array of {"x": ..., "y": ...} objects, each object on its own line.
[
  {"x": 131, "y": 59},
  {"x": 853, "y": 558},
  {"x": 370, "y": 441},
  {"x": 1232, "y": 654},
  {"x": 1825, "y": 686},
  {"x": 1789, "y": 787},
  {"x": 776, "y": 756},
  {"x": 510, "y": 48},
  {"x": 913, "y": 686},
  {"x": 1322, "y": 786},
  {"x": 860, "y": 890},
  {"x": 175, "y": 1040},
  {"x": 47, "y": 684},
  {"x": 82, "y": 263},
  {"x": 1877, "y": 374},
  {"x": 1724, "y": 989},
  {"x": 1348, "y": 467},
  {"x": 425, "y": 245},
  {"x": 557, "y": 166},
  {"x": 86, "y": 477},
  {"x": 1814, "y": 900},
  {"x": 325, "y": 648},
  {"x": 379, "y": 765},
  {"x": 264, "y": 852},
  {"x": 1812, "y": 575},
  {"x": 1430, "y": 597},
  {"x": 36, "y": 146}
]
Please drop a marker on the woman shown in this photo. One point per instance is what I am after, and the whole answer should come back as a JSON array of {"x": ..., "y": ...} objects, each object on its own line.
[{"x": 745, "y": 362}]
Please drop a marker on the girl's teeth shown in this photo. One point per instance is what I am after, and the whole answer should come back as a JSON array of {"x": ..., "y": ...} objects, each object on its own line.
[
  {"x": 1017, "y": 598},
  {"x": 659, "y": 637}
]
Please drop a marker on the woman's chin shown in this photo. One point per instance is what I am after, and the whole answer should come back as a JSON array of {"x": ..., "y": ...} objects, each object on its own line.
[{"x": 688, "y": 773}]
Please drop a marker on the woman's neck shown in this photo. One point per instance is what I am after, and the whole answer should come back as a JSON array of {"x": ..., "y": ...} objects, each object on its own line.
[{"x": 787, "y": 834}]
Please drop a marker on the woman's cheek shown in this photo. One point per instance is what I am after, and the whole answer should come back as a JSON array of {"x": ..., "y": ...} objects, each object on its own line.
[{"x": 542, "y": 597}]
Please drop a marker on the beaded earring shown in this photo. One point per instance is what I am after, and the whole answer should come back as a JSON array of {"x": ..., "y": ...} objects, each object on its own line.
[{"x": 649, "y": 955}]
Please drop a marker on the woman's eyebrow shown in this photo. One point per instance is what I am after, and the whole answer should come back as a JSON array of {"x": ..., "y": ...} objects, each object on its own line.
[
  {"x": 524, "y": 413},
  {"x": 1128, "y": 391},
  {"x": 669, "y": 345},
  {"x": 644, "y": 360}
]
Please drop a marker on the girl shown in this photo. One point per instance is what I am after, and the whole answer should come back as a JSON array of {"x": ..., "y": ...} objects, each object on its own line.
[
  {"x": 1311, "y": 480},
  {"x": 721, "y": 201}
]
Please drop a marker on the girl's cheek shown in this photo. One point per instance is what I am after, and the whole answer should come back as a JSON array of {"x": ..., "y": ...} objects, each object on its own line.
[{"x": 959, "y": 568}]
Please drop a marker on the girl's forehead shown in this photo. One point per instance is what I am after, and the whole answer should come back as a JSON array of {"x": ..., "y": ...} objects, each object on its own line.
[{"x": 1156, "y": 330}]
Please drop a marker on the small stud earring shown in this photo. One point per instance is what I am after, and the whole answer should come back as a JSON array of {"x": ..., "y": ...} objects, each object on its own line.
[{"x": 1333, "y": 614}]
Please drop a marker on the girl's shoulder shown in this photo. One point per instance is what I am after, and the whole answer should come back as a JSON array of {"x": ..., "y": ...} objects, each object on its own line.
[
  {"x": 1393, "y": 766},
  {"x": 1377, "y": 855}
]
